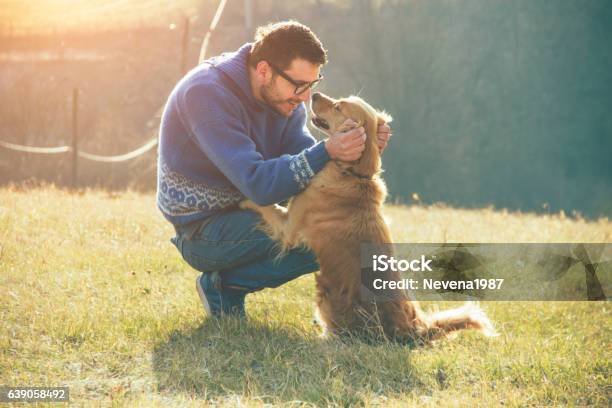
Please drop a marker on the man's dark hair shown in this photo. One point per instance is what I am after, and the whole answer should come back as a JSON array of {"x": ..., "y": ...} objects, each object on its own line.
[{"x": 281, "y": 43}]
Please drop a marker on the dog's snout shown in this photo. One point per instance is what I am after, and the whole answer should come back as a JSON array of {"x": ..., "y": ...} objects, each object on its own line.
[{"x": 315, "y": 96}]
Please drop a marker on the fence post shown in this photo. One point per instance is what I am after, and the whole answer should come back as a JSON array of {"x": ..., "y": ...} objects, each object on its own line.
[
  {"x": 248, "y": 14},
  {"x": 75, "y": 136},
  {"x": 185, "y": 46}
]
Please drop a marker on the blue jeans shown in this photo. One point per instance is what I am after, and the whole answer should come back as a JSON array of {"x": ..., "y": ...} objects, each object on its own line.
[{"x": 245, "y": 257}]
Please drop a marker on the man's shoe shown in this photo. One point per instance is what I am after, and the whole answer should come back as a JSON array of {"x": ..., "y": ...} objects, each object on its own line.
[{"x": 216, "y": 300}]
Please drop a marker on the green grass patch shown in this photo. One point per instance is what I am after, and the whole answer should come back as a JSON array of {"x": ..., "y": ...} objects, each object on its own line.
[{"x": 93, "y": 296}]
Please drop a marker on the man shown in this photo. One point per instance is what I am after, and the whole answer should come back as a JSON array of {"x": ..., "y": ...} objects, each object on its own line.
[{"x": 235, "y": 127}]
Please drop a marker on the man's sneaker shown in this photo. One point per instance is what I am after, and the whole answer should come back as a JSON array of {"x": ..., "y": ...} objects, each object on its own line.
[{"x": 215, "y": 299}]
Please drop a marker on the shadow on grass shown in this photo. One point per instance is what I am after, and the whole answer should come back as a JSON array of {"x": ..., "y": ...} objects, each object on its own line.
[{"x": 222, "y": 359}]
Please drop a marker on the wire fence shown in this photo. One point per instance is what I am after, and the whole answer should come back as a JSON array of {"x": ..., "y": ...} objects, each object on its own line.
[
  {"x": 74, "y": 149},
  {"x": 32, "y": 149},
  {"x": 84, "y": 155}
]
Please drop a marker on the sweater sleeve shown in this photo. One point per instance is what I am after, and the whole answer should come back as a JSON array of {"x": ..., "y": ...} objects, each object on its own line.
[
  {"x": 296, "y": 136},
  {"x": 215, "y": 121}
]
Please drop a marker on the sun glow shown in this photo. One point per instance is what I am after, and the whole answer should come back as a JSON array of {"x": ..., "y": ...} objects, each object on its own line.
[{"x": 58, "y": 15}]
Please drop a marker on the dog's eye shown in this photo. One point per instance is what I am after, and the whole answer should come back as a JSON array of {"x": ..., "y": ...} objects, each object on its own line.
[{"x": 337, "y": 108}]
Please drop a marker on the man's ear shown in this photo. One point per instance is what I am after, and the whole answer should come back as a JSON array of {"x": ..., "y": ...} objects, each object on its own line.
[{"x": 263, "y": 70}]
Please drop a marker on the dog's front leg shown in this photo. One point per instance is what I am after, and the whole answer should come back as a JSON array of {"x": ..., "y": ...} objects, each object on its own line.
[{"x": 276, "y": 218}]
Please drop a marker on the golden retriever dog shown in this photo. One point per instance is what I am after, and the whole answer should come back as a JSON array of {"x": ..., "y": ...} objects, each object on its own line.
[{"x": 340, "y": 209}]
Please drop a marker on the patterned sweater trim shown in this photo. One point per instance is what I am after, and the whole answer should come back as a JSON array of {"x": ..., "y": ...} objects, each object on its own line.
[{"x": 178, "y": 195}]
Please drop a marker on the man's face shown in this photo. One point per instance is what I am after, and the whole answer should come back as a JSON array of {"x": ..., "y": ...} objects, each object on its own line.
[{"x": 279, "y": 93}]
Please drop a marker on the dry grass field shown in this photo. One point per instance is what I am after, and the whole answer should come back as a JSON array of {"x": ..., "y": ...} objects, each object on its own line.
[{"x": 93, "y": 296}]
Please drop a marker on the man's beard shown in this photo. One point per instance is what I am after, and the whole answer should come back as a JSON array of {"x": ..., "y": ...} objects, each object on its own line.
[{"x": 268, "y": 95}]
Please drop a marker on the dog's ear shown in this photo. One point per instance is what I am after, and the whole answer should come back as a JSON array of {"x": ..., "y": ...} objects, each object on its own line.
[{"x": 383, "y": 117}]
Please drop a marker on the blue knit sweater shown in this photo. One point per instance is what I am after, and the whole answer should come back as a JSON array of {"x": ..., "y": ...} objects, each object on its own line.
[{"x": 218, "y": 144}]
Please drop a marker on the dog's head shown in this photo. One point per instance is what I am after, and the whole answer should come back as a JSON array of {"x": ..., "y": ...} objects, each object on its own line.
[{"x": 329, "y": 115}]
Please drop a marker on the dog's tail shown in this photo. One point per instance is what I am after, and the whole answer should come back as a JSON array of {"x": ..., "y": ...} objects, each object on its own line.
[{"x": 442, "y": 323}]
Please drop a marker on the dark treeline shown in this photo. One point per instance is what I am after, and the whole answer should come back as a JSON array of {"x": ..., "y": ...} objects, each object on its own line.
[{"x": 504, "y": 103}]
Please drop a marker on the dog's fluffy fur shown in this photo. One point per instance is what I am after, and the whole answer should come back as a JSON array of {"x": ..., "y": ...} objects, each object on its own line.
[{"x": 339, "y": 210}]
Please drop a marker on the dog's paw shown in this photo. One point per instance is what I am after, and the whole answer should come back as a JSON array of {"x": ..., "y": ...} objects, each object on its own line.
[{"x": 248, "y": 205}]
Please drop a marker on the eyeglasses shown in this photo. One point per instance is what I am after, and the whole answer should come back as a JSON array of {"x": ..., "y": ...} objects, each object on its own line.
[{"x": 300, "y": 86}]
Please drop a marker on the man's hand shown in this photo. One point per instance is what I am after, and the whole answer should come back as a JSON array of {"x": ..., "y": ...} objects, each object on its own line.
[
  {"x": 346, "y": 145},
  {"x": 383, "y": 136}
]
